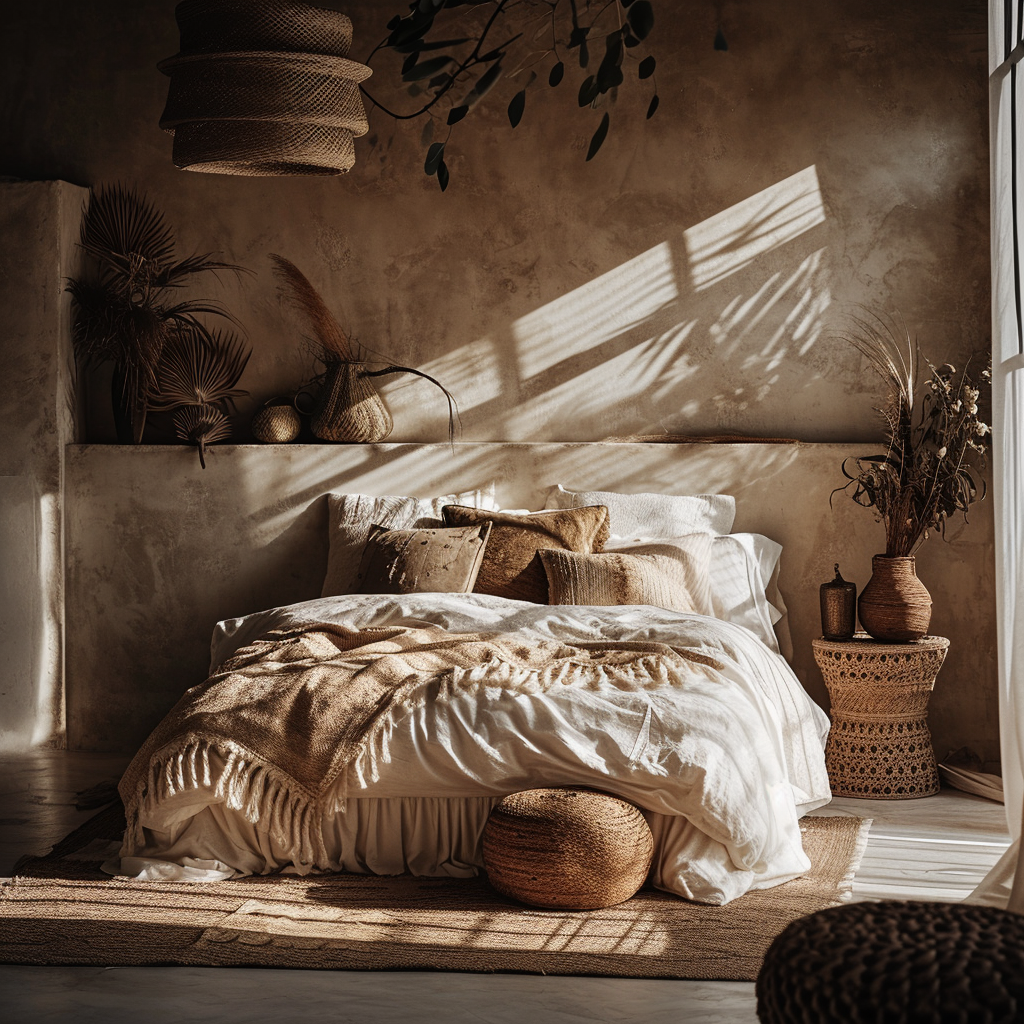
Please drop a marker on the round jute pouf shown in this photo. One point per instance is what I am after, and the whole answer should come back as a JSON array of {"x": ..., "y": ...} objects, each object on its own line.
[
  {"x": 883, "y": 963},
  {"x": 567, "y": 848}
]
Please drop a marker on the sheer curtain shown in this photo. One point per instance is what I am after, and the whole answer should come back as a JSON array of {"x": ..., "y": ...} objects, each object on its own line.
[{"x": 1004, "y": 885}]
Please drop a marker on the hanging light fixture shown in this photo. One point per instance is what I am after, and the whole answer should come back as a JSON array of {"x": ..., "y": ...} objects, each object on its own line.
[{"x": 263, "y": 87}]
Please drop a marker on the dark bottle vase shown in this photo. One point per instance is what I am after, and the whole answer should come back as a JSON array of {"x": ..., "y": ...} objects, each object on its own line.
[{"x": 895, "y": 605}]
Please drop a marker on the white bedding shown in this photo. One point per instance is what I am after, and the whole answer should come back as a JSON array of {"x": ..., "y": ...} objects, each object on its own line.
[{"x": 723, "y": 764}]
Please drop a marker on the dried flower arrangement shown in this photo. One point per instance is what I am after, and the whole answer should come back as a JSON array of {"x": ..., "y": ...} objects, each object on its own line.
[
  {"x": 347, "y": 406},
  {"x": 126, "y": 309},
  {"x": 936, "y": 440}
]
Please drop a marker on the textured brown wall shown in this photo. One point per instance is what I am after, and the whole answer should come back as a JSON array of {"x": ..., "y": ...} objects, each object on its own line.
[
  {"x": 150, "y": 567},
  {"x": 692, "y": 277},
  {"x": 492, "y": 284}
]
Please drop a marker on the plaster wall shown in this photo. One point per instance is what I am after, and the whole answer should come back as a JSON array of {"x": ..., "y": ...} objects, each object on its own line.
[
  {"x": 694, "y": 277},
  {"x": 691, "y": 278},
  {"x": 158, "y": 552},
  {"x": 37, "y": 419}
]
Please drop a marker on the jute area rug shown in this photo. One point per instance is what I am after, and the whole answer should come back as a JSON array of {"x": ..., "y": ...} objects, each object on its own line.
[{"x": 60, "y": 909}]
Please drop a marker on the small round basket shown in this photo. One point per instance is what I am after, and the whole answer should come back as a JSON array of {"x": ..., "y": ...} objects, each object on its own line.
[
  {"x": 567, "y": 848},
  {"x": 276, "y": 423}
]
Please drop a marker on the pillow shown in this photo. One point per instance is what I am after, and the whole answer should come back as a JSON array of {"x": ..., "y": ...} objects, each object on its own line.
[
  {"x": 442, "y": 560},
  {"x": 667, "y": 576},
  {"x": 653, "y": 517},
  {"x": 511, "y": 566},
  {"x": 350, "y": 517},
  {"x": 744, "y": 587}
]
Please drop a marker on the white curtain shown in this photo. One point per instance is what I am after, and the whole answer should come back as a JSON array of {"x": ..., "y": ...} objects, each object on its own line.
[{"x": 1004, "y": 885}]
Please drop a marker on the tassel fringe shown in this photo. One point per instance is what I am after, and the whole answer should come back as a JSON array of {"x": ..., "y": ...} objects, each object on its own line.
[{"x": 268, "y": 796}]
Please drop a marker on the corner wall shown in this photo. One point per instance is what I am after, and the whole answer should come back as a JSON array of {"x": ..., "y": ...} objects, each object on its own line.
[{"x": 39, "y": 225}]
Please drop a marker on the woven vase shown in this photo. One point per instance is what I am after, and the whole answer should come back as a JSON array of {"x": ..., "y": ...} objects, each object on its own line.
[
  {"x": 895, "y": 605},
  {"x": 349, "y": 408}
]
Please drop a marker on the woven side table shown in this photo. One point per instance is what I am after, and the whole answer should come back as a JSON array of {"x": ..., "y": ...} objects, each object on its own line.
[{"x": 879, "y": 745}]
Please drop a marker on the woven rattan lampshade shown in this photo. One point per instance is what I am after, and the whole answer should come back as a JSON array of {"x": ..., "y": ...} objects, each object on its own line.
[{"x": 263, "y": 87}]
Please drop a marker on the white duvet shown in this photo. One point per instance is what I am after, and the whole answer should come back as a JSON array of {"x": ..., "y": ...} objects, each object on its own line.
[{"x": 723, "y": 764}]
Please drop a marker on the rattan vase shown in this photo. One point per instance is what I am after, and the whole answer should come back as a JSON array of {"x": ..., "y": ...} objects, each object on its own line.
[
  {"x": 895, "y": 605},
  {"x": 349, "y": 408}
]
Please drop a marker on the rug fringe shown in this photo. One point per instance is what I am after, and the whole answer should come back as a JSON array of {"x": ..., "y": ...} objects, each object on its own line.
[{"x": 857, "y": 855}]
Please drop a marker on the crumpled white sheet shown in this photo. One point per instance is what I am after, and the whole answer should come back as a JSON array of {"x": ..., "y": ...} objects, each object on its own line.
[{"x": 723, "y": 766}]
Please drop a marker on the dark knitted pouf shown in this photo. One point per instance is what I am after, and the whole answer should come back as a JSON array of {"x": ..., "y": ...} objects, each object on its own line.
[
  {"x": 567, "y": 848},
  {"x": 925, "y": 963}
]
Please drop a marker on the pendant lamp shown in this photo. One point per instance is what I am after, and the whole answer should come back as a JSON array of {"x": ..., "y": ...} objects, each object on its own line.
[{"x": 263, "y": 87}]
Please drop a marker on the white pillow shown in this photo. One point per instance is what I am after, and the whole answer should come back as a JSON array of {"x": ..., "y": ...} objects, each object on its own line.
[
  {"x": 744, "y": 574},
  {"x": 649, "y": 517},
  {"x": 350, "y": 517}
]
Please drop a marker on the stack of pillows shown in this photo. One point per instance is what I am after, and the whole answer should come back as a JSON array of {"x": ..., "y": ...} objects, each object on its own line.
[{"x": 588, "y": 548}]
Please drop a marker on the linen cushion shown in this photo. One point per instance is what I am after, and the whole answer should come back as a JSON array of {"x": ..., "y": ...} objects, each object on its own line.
[
  {"x": 666, "y": 576},
  {"x": 442, "y": 560},
  {"x": 350, "y": 517},
  {"x": 651, "y": 517},
  {"x": 511, "y": 566}
]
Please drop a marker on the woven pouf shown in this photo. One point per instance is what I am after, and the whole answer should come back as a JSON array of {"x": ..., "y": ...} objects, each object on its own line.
[
  {"x": 926, "y": 963},
  {"x": 568, "y": 848}
]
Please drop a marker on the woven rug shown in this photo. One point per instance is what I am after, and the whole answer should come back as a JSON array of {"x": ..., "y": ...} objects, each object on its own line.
[{"x": 60, "y": 909}]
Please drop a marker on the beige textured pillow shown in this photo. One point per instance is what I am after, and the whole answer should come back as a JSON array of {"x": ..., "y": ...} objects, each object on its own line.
[
  {"x": 511, "y": 566},
  {"x": 350, "y": 517},
  {"x": 443, "y": 561},
  {"x": 667, "y": 576}
]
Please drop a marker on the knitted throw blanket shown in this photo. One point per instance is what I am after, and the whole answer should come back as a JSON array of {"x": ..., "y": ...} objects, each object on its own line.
[{"x": 291, "y": 713}]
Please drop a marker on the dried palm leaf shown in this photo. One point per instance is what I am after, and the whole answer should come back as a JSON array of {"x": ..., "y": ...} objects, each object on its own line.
[
  {"x": 200, "y": 369},
  {"x": 201, "y": 425},
  {"x": 334, "y": 344},
  {"x": 122, "y": 311},
  {"x": 120, "y": 223}
]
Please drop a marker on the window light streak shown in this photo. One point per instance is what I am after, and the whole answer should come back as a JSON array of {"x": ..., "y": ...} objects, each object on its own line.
[
  {"x": 734, "y": 238},
  {"x": 49, "y": 711},
  {"x": 472, "y": 373},
  {"x": 595, "y": 312},
  {"x": 595, "y": 394}
]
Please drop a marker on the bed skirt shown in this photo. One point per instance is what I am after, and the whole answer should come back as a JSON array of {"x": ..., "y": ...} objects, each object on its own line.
[{"x": 424, "y": 836}]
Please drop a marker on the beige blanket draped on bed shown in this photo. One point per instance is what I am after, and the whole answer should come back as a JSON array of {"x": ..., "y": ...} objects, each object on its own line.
[{"x": 290, "y": 713}]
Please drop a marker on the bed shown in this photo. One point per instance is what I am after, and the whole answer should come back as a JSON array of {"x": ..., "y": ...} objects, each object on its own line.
[{"x": 459, "y": 653}]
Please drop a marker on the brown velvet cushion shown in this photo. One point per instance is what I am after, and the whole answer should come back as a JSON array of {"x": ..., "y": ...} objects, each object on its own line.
[
  {"x": 511, "y": 566},
  {"x": 666, "y": 576},
  {"x": 437, "y": 560}
]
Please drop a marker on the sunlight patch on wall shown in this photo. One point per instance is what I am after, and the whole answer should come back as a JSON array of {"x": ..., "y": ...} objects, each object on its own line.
[
  {"x": 784, "y": 315},
  {"x": 595, "y": 395},
  {"x": 596, "y": 312},
  {"x": 472, "y": 373},
  {"x": 734, "y": 238}
]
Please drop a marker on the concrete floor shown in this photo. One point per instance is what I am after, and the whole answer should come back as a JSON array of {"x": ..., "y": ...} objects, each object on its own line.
[{"x": 937, "y": 848}]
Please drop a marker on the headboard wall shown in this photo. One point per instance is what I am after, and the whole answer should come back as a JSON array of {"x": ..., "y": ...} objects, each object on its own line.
[{"x": 158, "y": 550}]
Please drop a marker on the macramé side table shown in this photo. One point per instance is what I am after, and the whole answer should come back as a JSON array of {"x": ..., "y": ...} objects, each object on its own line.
[{"x": 879, "y": 745}]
